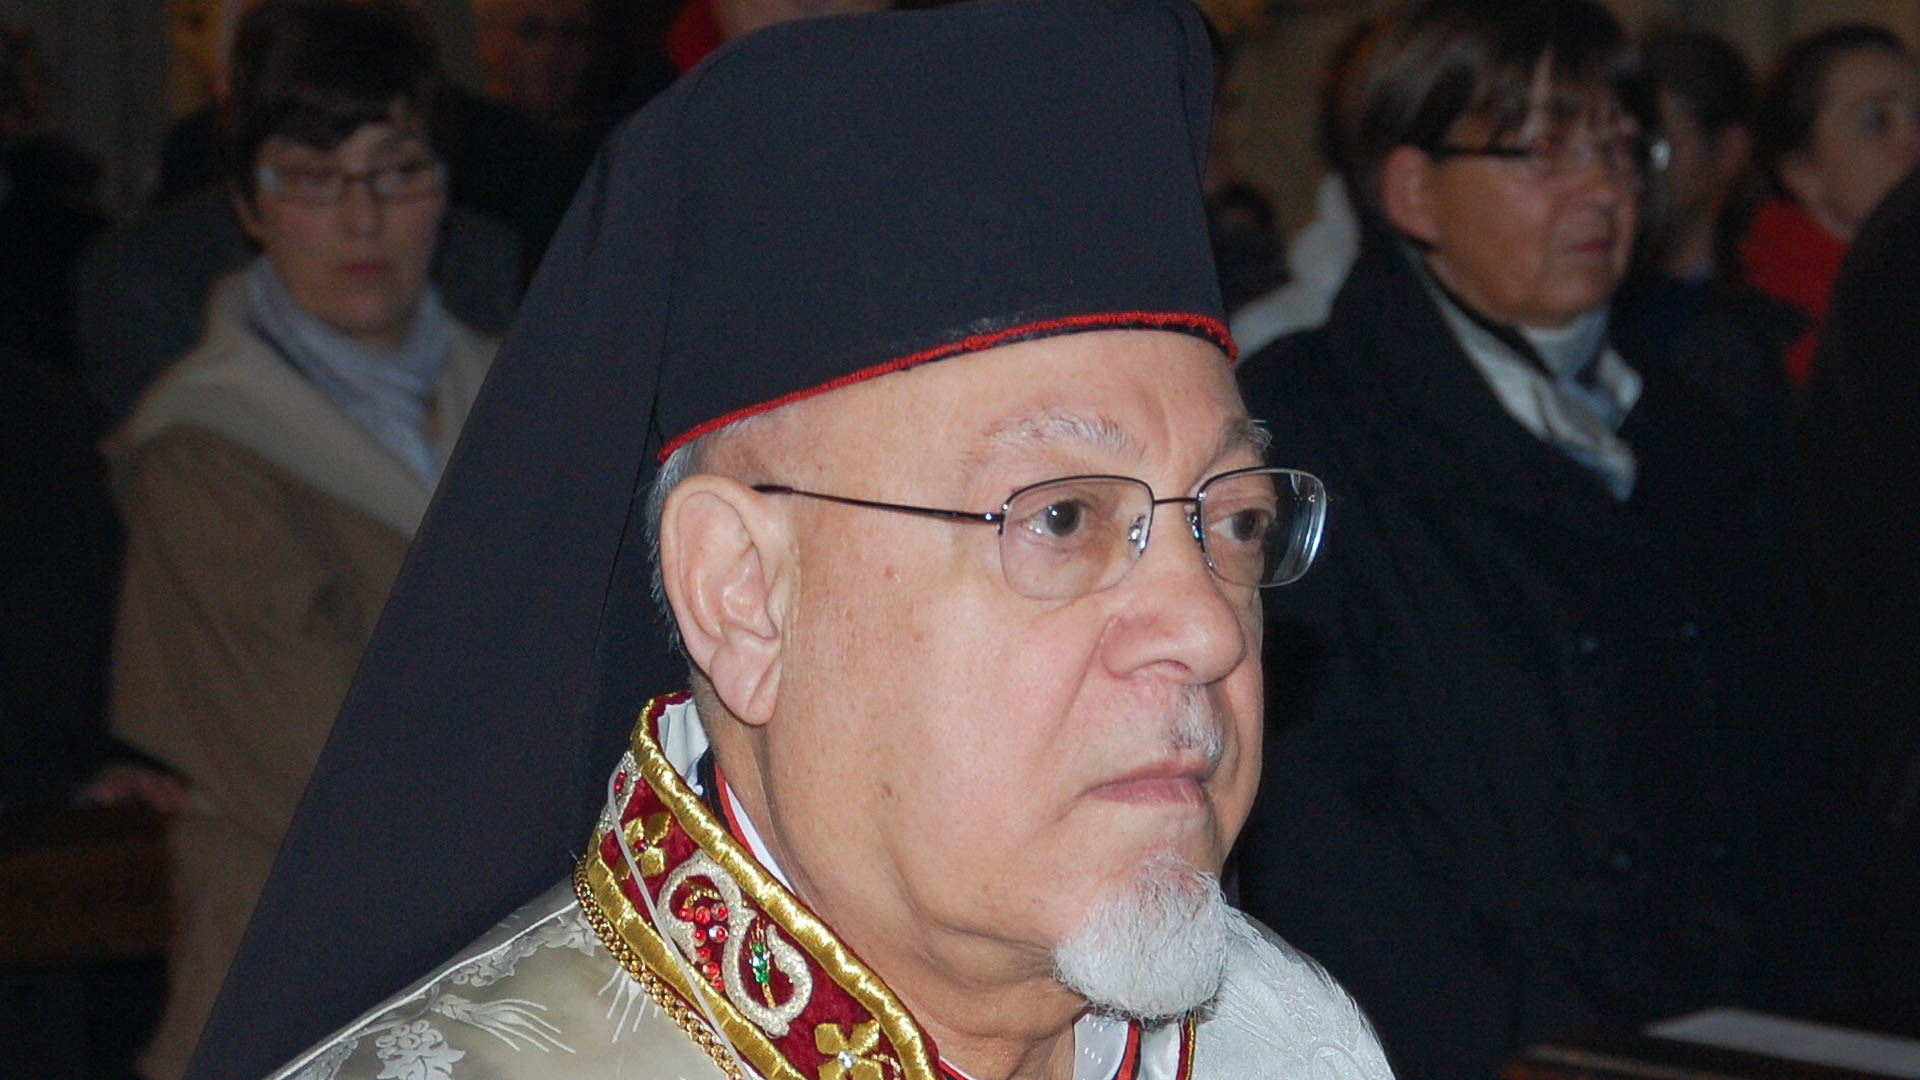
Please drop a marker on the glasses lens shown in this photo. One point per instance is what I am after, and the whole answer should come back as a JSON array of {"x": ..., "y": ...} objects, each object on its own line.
[
  {"x": 312, "y": 187},
  {"x": 1067, "y": 538},
  {"x": 407, "y": 180},
  {"x": 1262, "y": 527}
]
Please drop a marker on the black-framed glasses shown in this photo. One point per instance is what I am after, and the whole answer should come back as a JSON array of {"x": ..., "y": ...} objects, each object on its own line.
[
  {"x": 414, "y": 178},
  {"x": 1627, "y": 156},
  {"x": 1065, "y": 538}
]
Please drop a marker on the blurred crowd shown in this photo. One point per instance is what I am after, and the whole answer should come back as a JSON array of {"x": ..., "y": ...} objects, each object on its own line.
[{"x": 1602, "y": 707}]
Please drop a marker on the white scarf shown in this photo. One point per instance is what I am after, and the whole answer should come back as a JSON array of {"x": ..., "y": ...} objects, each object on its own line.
[
  {"x": 1573, "y": 393},
  {"x": 384, "y": 391}
]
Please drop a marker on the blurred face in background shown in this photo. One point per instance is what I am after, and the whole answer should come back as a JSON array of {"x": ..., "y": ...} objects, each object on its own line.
[
  {"x": 536, "y": 54},
  {"x": 1865, "y": 138},
  {"x": 1701, "y": 170},
  {"x": 1690, "y": 179},
  {"x": 1535, "y": 239},
  {"x": 351, "y": 230}
]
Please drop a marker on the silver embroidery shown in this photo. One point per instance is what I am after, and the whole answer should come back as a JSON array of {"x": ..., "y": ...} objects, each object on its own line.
[{"x": 787, "y": 959}]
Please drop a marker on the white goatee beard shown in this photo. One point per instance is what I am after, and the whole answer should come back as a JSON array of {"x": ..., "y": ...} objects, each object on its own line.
[{"x": 1154, "y": 950}]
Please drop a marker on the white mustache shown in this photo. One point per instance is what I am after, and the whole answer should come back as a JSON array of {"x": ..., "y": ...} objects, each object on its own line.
[{"x": 1195, "y": 727}]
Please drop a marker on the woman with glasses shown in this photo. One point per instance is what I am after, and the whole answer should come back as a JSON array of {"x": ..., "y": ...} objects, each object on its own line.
[
  {"x": 271, "y": 481},
  {"x": 1530, "y": 718}
]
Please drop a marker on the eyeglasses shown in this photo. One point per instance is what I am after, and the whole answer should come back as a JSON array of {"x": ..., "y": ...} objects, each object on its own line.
[
  {"x": 412, "y": 179},
  {"x": 1065, "y": 538},
  {"x": 1626, "y": 156}
]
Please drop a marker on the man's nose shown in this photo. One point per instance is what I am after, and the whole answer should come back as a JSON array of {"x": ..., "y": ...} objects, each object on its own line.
[{"x": 1175, "y": 615}]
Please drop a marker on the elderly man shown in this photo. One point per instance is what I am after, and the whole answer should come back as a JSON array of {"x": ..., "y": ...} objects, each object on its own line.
[{"x": 963, "y": 530}]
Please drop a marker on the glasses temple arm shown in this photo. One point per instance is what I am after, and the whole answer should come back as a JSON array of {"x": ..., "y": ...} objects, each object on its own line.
[{"x": 968, "y": 516}]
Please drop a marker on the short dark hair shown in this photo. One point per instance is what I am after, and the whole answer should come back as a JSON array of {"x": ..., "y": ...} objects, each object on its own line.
[
  {"x": 1796, "y": 91},
  {"x": 1705, "y": 71},
  {"x": 1433, "y": 62},
  {"x": 1339, "y": 88},
  {"x": 316, "y": 71}
]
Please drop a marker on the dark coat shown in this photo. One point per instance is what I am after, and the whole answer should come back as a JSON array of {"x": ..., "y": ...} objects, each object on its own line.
[
  {"x": 1533, "y": 754},
  {"x": 1862, "y": 474}
]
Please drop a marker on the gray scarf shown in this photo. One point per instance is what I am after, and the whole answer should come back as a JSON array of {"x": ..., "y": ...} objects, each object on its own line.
[
  {"x": 385, "y": 391},
  {"x": 1567, "y": 386}
]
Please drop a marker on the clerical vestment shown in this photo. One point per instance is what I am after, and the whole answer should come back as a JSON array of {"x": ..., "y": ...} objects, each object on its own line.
[{"x": 676, "y": 951}]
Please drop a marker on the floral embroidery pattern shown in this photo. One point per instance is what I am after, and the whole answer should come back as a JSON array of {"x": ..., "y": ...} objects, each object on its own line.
[
  {"x": 629, "y": 999},
  {"x": 416, "y": 1051},
  {"x": 513, "y": 1021},
  {"x": 554, "y": 934},
  {"x": 847, "y": 1055}
]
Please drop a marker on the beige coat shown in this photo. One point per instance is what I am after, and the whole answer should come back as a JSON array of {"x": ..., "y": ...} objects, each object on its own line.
[{"x": 264, "y": 531}]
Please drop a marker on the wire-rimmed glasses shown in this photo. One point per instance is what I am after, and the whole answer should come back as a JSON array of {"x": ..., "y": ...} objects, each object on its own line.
[
  {"x": 1065, "y": 538},
  {"x": 1626, "y": 155}
]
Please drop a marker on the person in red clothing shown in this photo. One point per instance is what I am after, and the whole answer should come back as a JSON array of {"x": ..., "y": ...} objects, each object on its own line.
[
  {"x": 704, "y": 25},
  {"x": 1838, "y": 126}
]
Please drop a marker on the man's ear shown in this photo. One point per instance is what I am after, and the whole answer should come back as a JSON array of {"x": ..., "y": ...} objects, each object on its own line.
[
  {"x": 724, "y": 560},
  {"x": 1406, "y": 194},
  {"x": 244, "y": 209}
]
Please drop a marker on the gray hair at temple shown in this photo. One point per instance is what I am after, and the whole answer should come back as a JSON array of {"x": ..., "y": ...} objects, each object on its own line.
[
  {"x": 1431, "y": 62},
  {"x": 689, "y": 459},
  {"x": 682, "y": 463}
]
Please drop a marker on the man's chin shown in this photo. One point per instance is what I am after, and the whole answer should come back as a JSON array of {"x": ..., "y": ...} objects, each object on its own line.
[{"x": 1154, "y": 948}]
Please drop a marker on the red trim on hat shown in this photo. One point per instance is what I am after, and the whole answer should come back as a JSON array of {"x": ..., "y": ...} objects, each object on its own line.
[{"x": 1204, "y": 326}]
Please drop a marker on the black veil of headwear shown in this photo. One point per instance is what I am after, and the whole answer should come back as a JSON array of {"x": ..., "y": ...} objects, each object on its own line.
[{"x": 818, "y": 202}]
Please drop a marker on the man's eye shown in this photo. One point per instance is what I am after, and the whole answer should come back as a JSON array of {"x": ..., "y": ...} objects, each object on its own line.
[
  {"x": 1248, "y": 525},
  {"x": 1068, "y": 518},
  {"x": 1060, "y": 519},
  {"x": 1245, "y": 526}
]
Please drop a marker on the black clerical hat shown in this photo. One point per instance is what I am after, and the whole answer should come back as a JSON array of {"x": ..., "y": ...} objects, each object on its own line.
[{"x": 819, "y": 202}]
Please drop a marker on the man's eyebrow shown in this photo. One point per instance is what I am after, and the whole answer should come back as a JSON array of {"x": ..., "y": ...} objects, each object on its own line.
[
  {"x": 1056, "y": 427},
  {"x": 1246, "y": 433}
]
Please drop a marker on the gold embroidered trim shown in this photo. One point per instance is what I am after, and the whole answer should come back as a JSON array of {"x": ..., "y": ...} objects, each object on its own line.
[
  {"x": 662, "y": 995},
  {"x": 631, "y": 928},
  {"x": 773, "y": 900}
]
